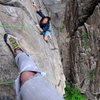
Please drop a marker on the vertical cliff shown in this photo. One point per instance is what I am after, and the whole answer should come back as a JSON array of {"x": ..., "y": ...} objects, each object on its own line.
[
  {"x": 82, "y": 19},
  {"x": 56, "y": 9},
  {"x": 22, "y": 16},
  {"x": 78, "y": 43}
]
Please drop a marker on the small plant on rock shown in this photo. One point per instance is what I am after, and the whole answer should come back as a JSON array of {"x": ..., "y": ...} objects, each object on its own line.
[
  {"x": 85, "y": 37},
  {"x": 90, "y": 75},
  {"x": 72, "y": 93},
  {"x": 62, "y": 27}
]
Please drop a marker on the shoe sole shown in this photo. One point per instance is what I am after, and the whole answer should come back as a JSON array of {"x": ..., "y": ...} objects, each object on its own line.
[{"x": 5, "y": 39}]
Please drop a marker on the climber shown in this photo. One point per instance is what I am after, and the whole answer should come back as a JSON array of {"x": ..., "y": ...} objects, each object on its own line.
[
  {"x": 30, "y": 84},
  {"x": 44, "y": 23}
]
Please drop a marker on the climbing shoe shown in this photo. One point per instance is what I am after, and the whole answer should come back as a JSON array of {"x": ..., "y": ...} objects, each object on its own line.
[
  {"x": 46, "y": 41},
  {"x": 12, "y": 43}
]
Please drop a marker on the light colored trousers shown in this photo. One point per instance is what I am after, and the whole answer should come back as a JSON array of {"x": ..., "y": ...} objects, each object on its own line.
[{"x": 37, "y": 87}]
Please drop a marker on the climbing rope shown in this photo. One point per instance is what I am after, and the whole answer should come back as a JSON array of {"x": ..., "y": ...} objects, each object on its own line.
[
  {"x": 19, "y": 26},
  {"x": 7, "y": 83},
  {"x": 15, "y": 26}
]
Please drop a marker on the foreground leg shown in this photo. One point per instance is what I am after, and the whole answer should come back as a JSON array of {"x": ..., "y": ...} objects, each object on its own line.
[
  {"x": 26, "y": 66},
  {"x": 33, "y": 86},
  {"x": 22, "y": 59},
  {"x": 37, "y": 88},
  {"x": 21, "y": 62}
]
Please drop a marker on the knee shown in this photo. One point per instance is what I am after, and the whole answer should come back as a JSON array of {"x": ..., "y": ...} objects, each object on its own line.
[
  {"x": 26, "y": 75},
  {"x": 45, "y": 38}
]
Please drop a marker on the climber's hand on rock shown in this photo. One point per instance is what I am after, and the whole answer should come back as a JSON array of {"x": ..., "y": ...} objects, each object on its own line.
[
  {"x": 41, "y": 30},
  {"x": 33, "y": 4},
  {"x": 37, "y": 25},
  {"x": 37, "y": 8}
]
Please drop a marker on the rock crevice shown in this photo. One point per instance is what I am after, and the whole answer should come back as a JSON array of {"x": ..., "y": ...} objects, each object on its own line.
[{"x": 82, "y": 23}]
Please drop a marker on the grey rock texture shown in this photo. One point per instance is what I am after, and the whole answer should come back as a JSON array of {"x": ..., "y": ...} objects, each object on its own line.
[
  {"x": 21, "y": 13},
  {"x": 83, "y": 24},
  {"x": 56, "y": 10}
]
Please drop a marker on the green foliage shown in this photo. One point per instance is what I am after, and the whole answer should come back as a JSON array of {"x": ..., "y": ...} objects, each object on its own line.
[
  {"x": 62, "y": 27},
  {"x": 72, "y": 93},
  {"x": 90, "y": 75},
  {"x": 85, "y": 37},
  {"x": 84, "y": 44}
]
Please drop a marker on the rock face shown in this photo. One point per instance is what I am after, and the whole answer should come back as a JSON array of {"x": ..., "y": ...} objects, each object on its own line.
[
  {"x": 83, "y": 24},
  {"x": 56, "y": 10},
  {"x": 21, "y": 13},
  {"x": 80, "y": 57}
]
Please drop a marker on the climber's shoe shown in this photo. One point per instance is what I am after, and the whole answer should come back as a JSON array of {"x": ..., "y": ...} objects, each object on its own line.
[
  {"x": 46, "y": 41},
  {"x": 12, "y": 43}
]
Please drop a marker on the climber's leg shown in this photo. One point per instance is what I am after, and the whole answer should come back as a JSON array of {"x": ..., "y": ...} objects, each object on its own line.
[
  {"x": 37, "y": 88},
  {"x": 45, "y": 38},
  {"x": 34, "y": 86},
  {"x": 27, "y": 68},
  {"x": 22, "y": 59},
  {"x": 46, "y": 35},
  {"x": 24, "y": 63}
]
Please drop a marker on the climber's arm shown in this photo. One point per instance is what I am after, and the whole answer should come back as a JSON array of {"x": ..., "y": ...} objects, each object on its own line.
[
  {"x": 47, "y": 28},
  {"x": 40, "y": 13},
  {"x": 40, "y": 29},
  {"x": 38, "y": 9}
]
